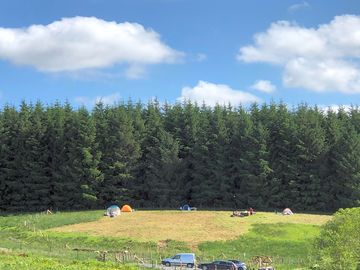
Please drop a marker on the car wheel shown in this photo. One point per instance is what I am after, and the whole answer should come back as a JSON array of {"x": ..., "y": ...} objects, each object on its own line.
[
  {"x": 189, "y": 265},
  {"x": 168, "y": 264}
]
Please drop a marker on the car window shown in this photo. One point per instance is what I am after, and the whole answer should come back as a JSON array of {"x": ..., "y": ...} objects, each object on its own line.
[{"x": 177, "y": 257}]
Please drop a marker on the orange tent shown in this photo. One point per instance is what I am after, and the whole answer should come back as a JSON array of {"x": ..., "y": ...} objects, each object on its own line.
[{"x": 126, "y": 208}]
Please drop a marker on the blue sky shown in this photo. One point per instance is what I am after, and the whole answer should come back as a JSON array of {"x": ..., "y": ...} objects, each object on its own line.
[{"x": 217, "y": 51}]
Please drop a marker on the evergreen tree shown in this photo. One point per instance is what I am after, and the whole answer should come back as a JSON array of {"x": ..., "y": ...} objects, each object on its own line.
[
  {"x": 54, "y": 140},
  {"x": 33, "y": 158},
  {"x": 310, "y": 151},
  {"x": 11, "y": 190},
  {"x": 157, "y": 174},
  {"x": 281, "y": 159},
  {"x": 119, "y": 153}
]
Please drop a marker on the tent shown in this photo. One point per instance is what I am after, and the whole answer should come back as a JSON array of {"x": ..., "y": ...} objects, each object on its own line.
[
  {"x": 185, "y": 207},
  {"x": 113, "y": 211},
  {"x": 287, "y": 211},
  {"x": 126, "y": 208}
]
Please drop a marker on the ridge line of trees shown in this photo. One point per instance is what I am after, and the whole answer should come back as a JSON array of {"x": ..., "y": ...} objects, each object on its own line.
[{"x": 267, "y": 156}]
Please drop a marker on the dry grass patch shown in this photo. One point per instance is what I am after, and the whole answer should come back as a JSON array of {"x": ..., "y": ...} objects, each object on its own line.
[{"x": 191, "y": 227}]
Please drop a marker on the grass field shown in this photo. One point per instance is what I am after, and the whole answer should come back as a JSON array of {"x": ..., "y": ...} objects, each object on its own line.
[
  {"x": 156, "y": 234},
  {"x": 191, "y": 227}
]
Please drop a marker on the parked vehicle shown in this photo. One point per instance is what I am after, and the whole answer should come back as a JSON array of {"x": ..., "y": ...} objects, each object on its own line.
[
  {"x": 239, "y": 264},
  {"x": 180, "y": 259},
  {"x": 218, "y": 265}
]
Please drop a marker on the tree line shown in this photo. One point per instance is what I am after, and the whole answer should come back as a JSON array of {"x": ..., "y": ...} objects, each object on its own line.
[{"x": 161, "y": 156}]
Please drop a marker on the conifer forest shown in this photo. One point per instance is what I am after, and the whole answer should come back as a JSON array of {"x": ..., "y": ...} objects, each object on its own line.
[{"x": 155, "y": 155}]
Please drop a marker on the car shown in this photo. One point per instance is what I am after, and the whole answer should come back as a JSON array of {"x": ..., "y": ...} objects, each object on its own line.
[
  {"x": 218, "y": 265},
  {"x": 180, "y": 259},
  {"x": 239, "y": 264}
]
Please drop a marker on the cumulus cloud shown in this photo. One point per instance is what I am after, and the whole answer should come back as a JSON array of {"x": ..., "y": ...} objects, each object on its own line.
[
  {"x": 321, "y": 59},
  {"x": 298, "y": 6},
  {"x": 213, "y": 94},
  {"x": 78, "y": 43},
  {"x": 107, "y": 100},
  {"x": 264, "y": 86}
]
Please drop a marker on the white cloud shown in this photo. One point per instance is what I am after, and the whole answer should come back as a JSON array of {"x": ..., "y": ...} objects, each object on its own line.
[
  {"x": 264, "y": 86},
  {"x": 335, "y": 108},
  {"x": 201, "y": 57},
  {"x": 107, "y": 100},
  {"x": 78, "y": 43},
  {"x": 321, "y": 59},
  {"x": 135, "y": 72},
  {"x": 213, "y": 94},
  {"x": 298, "y": 6}
]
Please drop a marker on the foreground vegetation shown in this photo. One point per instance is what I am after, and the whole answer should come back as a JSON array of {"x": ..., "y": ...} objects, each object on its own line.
[
  {"x": 267, "y": 157},
  {"x": 338, "y": 245},
  {"x": 41, "y": 236},
  {"x": 19, "y": 261}
]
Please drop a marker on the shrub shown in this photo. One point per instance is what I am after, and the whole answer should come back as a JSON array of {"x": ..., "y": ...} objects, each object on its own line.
[{"x": 338, "y": 245}]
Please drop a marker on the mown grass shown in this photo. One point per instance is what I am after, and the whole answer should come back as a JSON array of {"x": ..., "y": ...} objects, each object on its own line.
[
  {"x": 192, "y": 227},
  {"x": 241, "y": 238}
]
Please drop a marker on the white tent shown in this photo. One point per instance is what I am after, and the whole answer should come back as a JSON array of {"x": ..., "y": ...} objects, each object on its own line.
[{"x": 287, "y": 211}]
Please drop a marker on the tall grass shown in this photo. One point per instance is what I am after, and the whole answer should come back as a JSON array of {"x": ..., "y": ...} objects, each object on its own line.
[
  {"x": 17, "y": 262},
  {"x": 288, "y": 244},
  {"x": 41, "y": 221}
]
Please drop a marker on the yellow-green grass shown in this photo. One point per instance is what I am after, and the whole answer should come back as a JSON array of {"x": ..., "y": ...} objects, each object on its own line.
[{"x": 192, "y": 227}]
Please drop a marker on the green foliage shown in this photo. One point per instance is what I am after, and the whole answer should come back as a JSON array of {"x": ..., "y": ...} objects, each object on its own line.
[{"x": 338, "y": 245}]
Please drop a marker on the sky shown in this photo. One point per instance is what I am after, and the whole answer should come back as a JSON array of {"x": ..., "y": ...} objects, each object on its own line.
[{"x": 212, "y": 51}]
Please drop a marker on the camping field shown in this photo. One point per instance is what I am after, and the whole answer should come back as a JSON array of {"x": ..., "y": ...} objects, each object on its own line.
[{"x": 62, "y": 238}]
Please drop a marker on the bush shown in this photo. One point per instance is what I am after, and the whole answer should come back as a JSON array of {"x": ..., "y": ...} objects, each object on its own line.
[{"x": 338, "y": 245}]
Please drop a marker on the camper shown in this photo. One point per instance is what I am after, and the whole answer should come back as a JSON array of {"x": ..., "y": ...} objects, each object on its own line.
[{"x": 180, "y": 259}]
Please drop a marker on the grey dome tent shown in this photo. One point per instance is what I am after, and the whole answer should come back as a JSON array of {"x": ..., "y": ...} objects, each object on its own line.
[{"x": 113, "y": 211}]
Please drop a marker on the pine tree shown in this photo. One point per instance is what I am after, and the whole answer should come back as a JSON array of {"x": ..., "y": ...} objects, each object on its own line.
[
  {"x": 54, "y": 140},
  {"x": 119, "y": 152},
  {"x": 157, "y": 174},
  {"x": 309, "y": 153},
  {"x": 281, "y": 159},
  {"x": 10, "y": 188},
  {"x": 36, "y": 188}
]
